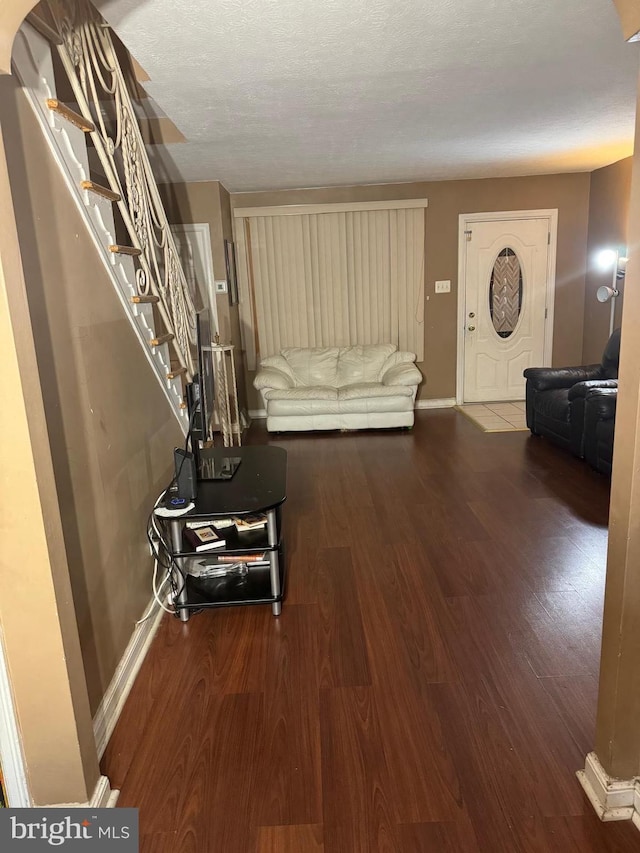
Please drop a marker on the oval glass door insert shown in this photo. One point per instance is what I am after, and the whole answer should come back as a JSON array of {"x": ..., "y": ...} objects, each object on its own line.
[{"x": 505, "y": 293}]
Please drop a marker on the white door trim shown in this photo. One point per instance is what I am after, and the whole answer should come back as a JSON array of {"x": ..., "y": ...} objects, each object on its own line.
[
  {"x": 198, "y": 235},
  {"x": 13, "y": 768},
  {"x": 467, "y": 219}
]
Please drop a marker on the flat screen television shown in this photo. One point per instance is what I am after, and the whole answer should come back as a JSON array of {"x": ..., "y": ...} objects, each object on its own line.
[{"x": 201, "y": 391}]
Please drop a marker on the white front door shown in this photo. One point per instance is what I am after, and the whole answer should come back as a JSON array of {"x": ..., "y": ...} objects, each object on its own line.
[{"x": 505, "y": 278}]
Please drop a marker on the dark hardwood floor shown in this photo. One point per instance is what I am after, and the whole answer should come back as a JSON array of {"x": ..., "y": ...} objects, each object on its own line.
[{"x": 431, "y": 682}]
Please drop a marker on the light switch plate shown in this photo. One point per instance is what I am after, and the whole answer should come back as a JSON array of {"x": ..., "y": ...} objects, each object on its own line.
[
  {"x": 443, "y": 287},
  {"x": 221, "y": 286}
]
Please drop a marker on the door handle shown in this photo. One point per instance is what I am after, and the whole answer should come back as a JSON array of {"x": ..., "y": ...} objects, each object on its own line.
[{"x": 471, "y": 328}]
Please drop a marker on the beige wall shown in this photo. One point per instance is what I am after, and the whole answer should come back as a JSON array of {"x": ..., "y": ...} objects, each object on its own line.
[
  {"x": 110, "y": 427},
  {"x": 608, "y": 213},
  {"x": 209, "y": 202},
  {"x": 447, "y": 200},
  {"x": 629, "y": 12},
  {"x": 12, "y": 14}
]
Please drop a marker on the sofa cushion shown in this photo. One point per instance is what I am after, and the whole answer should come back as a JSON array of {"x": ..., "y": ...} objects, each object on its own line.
[
  {"x": 279, "y": 363},
  {"x": 361, "y": 390},
  {"x": 364, "y": 405},
  {"x": 396, "y": 358},
  {"x": 402, "y": 374},
  {"x": 271, "y": 377},
  {"x": 313, "y": 392},
  {"x": 312, "y": 366},
  {"x": 554, "y": 404},
  {"x": 362, "y": 363}
]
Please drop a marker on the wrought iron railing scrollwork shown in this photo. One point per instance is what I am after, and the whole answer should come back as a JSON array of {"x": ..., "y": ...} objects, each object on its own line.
[{"x": 91, "y": 63}]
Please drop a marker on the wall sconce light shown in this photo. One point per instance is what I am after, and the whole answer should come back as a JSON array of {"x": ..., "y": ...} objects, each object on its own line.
[{"x": 616, "y": 260}]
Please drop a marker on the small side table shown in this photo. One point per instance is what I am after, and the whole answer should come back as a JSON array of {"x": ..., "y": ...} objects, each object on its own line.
[{"x": 226, "y": 405}]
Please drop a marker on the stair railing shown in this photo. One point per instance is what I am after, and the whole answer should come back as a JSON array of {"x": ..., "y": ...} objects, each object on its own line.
[{"x": 91, "y": 63}]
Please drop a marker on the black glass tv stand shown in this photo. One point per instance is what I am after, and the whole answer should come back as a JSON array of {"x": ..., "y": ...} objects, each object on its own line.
[{"x": 258, "y": 485}]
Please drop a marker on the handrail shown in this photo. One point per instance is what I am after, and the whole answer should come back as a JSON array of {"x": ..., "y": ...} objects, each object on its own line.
[{"x": 94, "y": 71}]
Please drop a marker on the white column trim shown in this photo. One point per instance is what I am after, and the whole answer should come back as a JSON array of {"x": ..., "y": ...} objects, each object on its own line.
[
  {"x": 612, "y": 799},
  {"x": 11, "y": 757},
  {"x": 103, "y": 797}
]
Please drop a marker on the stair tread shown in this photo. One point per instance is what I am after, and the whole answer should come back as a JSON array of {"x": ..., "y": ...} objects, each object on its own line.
[
  {"x": 162, "y": 339},
  {"x": 70, "y": 115},
  {"x": 175, "y": 374},
  {"x": 124, "y": 250},
  {"x": 105, "y": 192},
  {"x": 137, "y": 300}
]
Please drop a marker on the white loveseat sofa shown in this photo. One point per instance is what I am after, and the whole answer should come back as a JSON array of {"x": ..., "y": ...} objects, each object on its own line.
[{"x": 338, "y": 388}]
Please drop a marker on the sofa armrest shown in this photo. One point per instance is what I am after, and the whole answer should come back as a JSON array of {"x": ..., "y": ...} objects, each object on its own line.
[
  {"x": 601, "y": 404},
  {"x": 271, "y": 377},
  {"x": 402, "y": 374},
  {"x": 582, "y": 389},
  {"x": 547, "y": 378},
  {"x": 397, "y": 357}
]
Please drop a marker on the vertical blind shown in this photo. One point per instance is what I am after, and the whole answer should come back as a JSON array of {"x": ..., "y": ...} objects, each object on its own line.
[{"x": 333, "y": 279}]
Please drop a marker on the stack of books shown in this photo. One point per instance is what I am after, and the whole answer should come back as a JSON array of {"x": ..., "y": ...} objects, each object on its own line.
[
  {"x": 242, "y": 523},
  {"x": 253, "y": 521},
  {"x": 203, "y": 538}
]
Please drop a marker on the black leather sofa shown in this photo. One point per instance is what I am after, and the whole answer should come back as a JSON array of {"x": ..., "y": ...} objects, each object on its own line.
[
  {"x": 556, "y": 397},
  {"x": 599, "y": 426}
]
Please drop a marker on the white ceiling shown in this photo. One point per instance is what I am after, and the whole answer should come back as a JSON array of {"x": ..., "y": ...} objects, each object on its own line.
[{"x": 297, "y": 93}]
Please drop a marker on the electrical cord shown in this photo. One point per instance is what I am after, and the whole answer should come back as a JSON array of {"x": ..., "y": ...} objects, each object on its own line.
[{"x": 160, "y": 548}]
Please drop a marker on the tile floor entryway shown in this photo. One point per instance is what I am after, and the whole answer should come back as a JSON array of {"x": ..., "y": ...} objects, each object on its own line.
[{"x": 496, "y": 417}]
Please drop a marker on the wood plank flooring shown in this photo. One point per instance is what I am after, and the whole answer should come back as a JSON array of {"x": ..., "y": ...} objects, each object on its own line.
[{"x": 431, "y": 682}]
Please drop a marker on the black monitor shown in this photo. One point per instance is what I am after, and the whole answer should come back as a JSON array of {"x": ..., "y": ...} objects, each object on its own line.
[{"x": 200, "y": 392}]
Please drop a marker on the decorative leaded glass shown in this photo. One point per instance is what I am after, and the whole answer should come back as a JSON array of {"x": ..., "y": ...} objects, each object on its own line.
[{"x": 505, "y": 293}]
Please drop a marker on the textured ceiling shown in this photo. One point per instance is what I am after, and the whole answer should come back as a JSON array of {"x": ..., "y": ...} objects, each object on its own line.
[{"x": 293, "y": 93}]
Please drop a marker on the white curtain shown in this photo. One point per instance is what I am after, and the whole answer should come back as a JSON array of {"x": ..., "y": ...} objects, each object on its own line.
[{"x": 334, "y": 279}]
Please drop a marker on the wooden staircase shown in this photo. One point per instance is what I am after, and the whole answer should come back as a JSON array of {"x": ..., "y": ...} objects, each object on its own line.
[{"x": 66, "y": 132}]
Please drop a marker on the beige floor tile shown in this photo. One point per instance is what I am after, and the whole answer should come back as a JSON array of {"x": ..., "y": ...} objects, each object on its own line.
[
  {"x": 477, "y": 411},
  {"x": 503, "y": 408},
  {"x": 490, "y": 421},
  {"x": 497, "y": 417}
]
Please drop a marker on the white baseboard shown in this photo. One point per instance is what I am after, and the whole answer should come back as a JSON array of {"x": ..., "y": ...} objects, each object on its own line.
[
  {"x": 103, "y": 798},
  {"x": 257, "y": 414},
  {"x": 612, "y": 799},
  {"x": 113, "y": 700},
  {"x": 443, "y": 403}
]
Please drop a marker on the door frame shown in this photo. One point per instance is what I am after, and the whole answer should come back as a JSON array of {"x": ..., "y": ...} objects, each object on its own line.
[
  {"x": 464, "y": 221},
  {"x": 198, "y": 236}
]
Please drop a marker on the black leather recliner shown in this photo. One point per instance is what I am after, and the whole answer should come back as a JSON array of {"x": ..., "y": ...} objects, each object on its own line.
[
  {"x": 555, "y": 396},
  {"x": 599, "y": 426}
]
